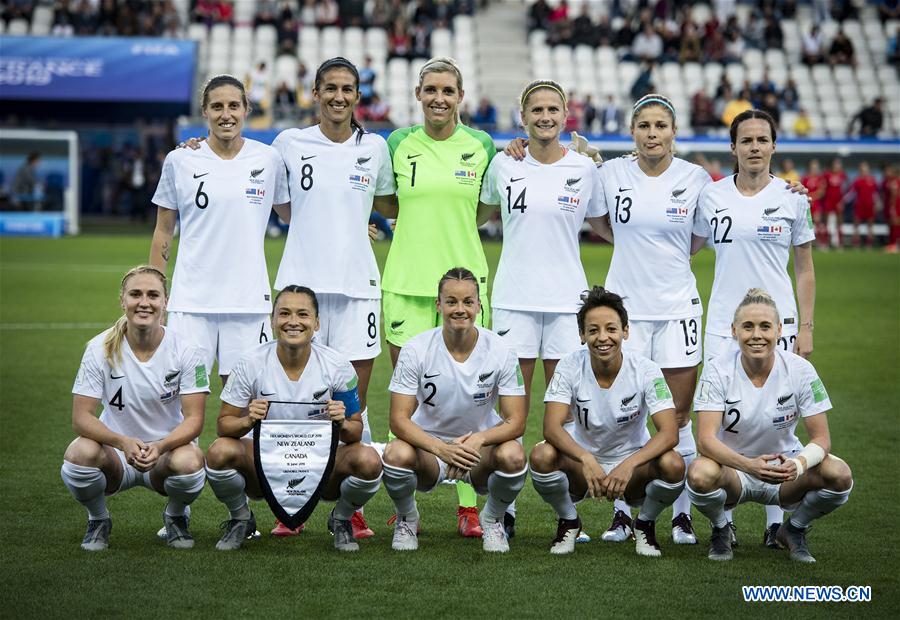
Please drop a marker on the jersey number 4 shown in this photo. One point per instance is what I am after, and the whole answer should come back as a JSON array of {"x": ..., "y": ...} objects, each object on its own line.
[
  {"x": 518, "y": 204},
  {"x": 116, "y": 400}
]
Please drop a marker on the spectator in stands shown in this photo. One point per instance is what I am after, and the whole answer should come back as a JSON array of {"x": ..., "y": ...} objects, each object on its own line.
[
  {"x": 284, "y": 102},
  {"x": 769, "y": 104},
  {"x": 378, "y": 111},
  {"x": 734, "y": 47},
  {"x": 539, "y": 16},
  {"x": 603, "y": 32},
  {"x": 736, "y": 106},
  {"x": 485, "y": 116},
  {"x": 813, "y": 46},
  {"x": 643, "y": 84},
  {"x": 871, "y": 119},
  {"x": 588, "y": 114},
  {"x": 647, "y": 45},
  {"x": 803, "y": 124},
  {"x": 841, "y": 50},
  {"x": 789, "y": 172},
  {"x": 258, "y": 85},
  {"x": 576, "y": 113},
  {"x": 764, "y": 87},
  {"x": 327, "y": 13},
  {"x": 703, "y": 117},
  {"x": 713, "y": 168},
  {"x": 308, "y": 13},
  {"x": 266, "y": 13},
  {"x": 25, "y": 190},
  {"x": 790, "y": 96},
  {"x": 421, "y": 41},
  {"x": 399, "y": 43},
  {"x": 888, "y": 9},
  {"x": 691, "y": 47},
  {"x": 612, "y": 117},
  {"x": 893, "y": 48},
  {"x": 714, "y": 46},
  {"x": 367, "y": 77},
  {"x": 774, "y": 36},
  {"x": 863, "y": 195},
  {"x": 583, "y": 32}
]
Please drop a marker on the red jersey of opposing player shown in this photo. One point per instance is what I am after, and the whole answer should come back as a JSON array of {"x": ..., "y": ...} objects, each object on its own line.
[
  {"x": 865, "y": 187},
  {"x": 891, "y": 196},
  {"x": 834, "y": 189},
  {"x": 815, "y": 184}
]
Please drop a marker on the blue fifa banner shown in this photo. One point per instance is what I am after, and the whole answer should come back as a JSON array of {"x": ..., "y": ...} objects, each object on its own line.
[
  {"x": 97, "y": 69},
  {"x": 32, "y": 224}
]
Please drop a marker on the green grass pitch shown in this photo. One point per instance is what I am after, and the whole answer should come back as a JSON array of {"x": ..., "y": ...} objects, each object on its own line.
[{"x": 46, "y": 284}]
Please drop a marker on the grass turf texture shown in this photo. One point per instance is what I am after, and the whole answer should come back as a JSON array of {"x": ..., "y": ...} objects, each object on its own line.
[{"x": 46, "y": 574}]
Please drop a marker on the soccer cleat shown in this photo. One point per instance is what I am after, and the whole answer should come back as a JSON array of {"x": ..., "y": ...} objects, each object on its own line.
[
  {"x": 282, "y": 530},
  {"x": 361, "y": 529},
  {"x": 405, "y": 537},
  {"x": 178, "y": 536},
  {"x": 583, "y": 537},
  {"x": 493, "y": 540},
  {"x": 161, "y": 532},
  {"x": 720, "y": 544},
  {"x": 467, "y": 522},
  {"x": 794, "y": 539},
  {"x": 393, "y": 520},
  {"x": 343, "y": 534},
  {"x": 96, "y": 538},
  {"x": 770, "y": 537},
  {"x": 683, "y": 530},
  {"x": 567, "y": 531},
  {"x": 645, "y": 539},
  {"x": 733, "y": 529},
  {"x": 620, "y": 528},
  {"x": 509, "y": 525},
  {"x": 236, "y": 532}
]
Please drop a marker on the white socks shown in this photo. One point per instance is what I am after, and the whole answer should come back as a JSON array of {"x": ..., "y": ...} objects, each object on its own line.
[
  {"x": 503, "y": 489},
  {"x": 660, "y": 494},
  {"x": 366, "y": 432},
  {"x": 401, "y": 487},
  {"x": 228, "y": 485},
  {"x": 182, "y": 490},
  {"x": 87, "y": 485},
  {"x": 711, "y": 504},
  {"x": 553, "y": 487},
  {"x": 621, "y": 504},
  {"x": 355, "y": 492},
  {"x": 687, "y": 448},
  {"x": 817, "y": 504}
]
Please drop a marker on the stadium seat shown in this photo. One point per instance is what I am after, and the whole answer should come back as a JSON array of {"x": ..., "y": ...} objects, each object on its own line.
[
  {"x": 17, "y": 27},
  {"x": 41, "y": 20}
]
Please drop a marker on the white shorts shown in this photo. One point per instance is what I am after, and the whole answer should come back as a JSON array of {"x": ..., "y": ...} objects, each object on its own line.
[
  {"x": 548, "y": 335},
  {"x": 671, "y": 344},
  {"x": 349, "y": 325},
  {"x": 608, "y": 465},
  {"x": 715, "y": 345},
  {"x": 755, "y": 490},
  {"x": 131, "y": 477},
  {"x": 225, "y": 337}
]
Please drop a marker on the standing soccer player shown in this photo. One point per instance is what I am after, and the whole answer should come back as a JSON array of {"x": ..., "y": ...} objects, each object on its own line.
[
  {"x": 152, "y": 384},
  {"x": 337, "y": 171},
  {"x": 223, "y": 193},
  {"x": 292, "y": 369},
  {"x": 755, "y": 222},
  {"x": 443, "y": 392},
  {"x": 835, "y": 180},
  {"x": 748, "y": 404},
  {"x": 863, "y": 194},
  {"x": 891, "y": 185},
  {"x": 439, "y": 167},
  {"x": 814, "y": 182},
  {"x": 610, "y": 454}
]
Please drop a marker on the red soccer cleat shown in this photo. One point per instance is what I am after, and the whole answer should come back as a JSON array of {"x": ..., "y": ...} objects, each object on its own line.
[
  {"x": 467, "y": 521},
  {"x": 281, "y": 529},
  {"x": 361, "y": 529}
]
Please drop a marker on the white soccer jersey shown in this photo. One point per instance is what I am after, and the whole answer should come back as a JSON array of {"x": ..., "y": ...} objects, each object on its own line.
[
  {"x": 332, "y": 188},
  {"x": 652, "y": 219},
  {"x": 752, "y": 237},
  {"x": 610, "y": 422},
  {"x": 456, "y": 398},
  {"x": 260, "y": 375},
  {"x": 224, "y": 207},
  {"x": 141, "y": 399},
  {"x": 761, "y": 420},
  {"x": 543, "y": 207}
]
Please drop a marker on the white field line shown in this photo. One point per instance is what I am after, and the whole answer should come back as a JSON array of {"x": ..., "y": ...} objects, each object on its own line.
[{"x": 49, "y": 326}]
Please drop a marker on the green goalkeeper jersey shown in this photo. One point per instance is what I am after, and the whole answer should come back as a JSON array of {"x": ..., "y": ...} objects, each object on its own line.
[{"x": 438, "y": 184}]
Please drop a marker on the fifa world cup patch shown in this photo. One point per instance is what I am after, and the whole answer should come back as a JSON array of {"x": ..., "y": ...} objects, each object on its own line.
[
  {"x": 200, "y": 377},
  {"x": 818, "y": 390},
  {"x": 662, "y": 389}
]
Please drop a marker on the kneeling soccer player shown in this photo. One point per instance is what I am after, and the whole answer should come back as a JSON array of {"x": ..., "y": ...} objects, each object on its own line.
[
  {"x": 443, "y": 392},
  {"x": 610, "y": 453},
  {"x": 748, "y": 404},
  {"x": 290, "y": 369}
]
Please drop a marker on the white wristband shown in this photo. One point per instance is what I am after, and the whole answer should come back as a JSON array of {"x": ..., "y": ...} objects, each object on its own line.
[{"x": 800, "y": 468}]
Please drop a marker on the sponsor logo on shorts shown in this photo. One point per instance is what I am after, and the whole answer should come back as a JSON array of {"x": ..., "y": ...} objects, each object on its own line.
[
  {"x": 319, "y": 394},
  {"x": 371, "y": 344}
]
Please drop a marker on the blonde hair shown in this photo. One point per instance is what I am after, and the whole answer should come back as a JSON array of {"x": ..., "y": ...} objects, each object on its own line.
[
  {"x": 757, "y": 296},
  {"x": 656, "y": 100},
  {"x": 441, "y": 64},
  {"x": 538, "y": 85},
  {"x": 112, "y": 344}
]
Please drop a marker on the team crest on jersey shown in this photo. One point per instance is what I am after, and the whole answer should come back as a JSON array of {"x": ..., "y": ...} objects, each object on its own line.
[
  {"x": 360, "y": 163},
  {"x": 569, "y": 204},
  {"x": 676, "y": 215},
  {"x": 466, "y": 177},
  {"x": 571, "y": 185},
  {"x": 254, "y": 176},
  {"x": 676, "y": 198},
  {"x": 484, "y": 380},
  {"x": 360, "y": 181},
  {"x": 255, "y": 195},
  {"x": 775, "y": 214},
  {"x": 171, "y": 378},
  {"x": 466, "y": 159}
]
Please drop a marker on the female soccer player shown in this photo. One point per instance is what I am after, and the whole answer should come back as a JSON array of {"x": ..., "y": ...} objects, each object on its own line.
[
  {"x": 291, "y": 368},
  {"x": 223, "y": 193},
  {"x": 439, "y": 167},
  {"x": 610, "y": 392},
  {"x": 863, "y": 193},
  {"x": 544, "y": 199},
  {"x": 835, "y": 180},
  {"x": 754, "y": 221},
  {"x": 336, "y": 172},
  {"x": 443, "y": 392},
  {"x": 152, "y": 385},
  {"x": 748, "y": 404}
]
